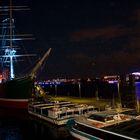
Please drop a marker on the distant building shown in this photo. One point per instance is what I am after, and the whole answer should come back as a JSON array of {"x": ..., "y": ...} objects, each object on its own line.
[
  {"x": 4, "y": 76},
  {"x": 111, "y": 78},
  {"x": 128, "y": 90}
]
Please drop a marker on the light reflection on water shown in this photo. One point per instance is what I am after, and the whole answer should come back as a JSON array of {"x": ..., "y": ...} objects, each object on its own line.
[
  {"x": 10, "y": 134},
  {"x": 15, "y": 125},
  {"x": 137, "y": 84}
]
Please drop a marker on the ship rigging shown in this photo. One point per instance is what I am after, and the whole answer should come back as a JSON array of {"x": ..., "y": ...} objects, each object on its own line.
[{"x": 8, "y": 37}]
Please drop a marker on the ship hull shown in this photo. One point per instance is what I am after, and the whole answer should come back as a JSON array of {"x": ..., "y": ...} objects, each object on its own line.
[
  {"x": 16, "y": 93},
  {"x": 14, "y": 103}
]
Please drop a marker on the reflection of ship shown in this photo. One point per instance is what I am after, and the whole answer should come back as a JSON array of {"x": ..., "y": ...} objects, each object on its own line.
[
  {"x": 14, "y": 92},
  {"x": 43, "y": 130}
]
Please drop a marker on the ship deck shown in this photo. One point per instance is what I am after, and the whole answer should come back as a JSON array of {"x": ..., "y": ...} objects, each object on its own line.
[
  {"x": 127, "y": 125},
  {"x": 104, "y": 118},
  {"x": 129, "y": 128}
]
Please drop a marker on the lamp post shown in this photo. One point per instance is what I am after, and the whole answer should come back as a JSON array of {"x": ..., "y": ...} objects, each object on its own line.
[
  {"x": 79, "y": 85},
  {"x": 55, "y": 89},
  {"x": 119, "y": 96}
]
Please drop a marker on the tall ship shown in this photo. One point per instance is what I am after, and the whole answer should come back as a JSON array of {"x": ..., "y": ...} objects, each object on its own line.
[{"x": 14, "y": 91}]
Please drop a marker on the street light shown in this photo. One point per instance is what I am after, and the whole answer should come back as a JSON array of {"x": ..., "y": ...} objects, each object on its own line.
[{"x": 79, "y": 85}]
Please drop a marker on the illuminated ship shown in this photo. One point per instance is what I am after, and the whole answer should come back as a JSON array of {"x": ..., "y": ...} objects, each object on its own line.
[{"x": 14, "y": 91}]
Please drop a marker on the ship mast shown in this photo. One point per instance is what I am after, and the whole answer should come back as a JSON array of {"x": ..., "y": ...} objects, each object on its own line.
[
  {"x": 8, "y": 38},
  {"x": 11, "y": 24},
  {"x": 11, "y": 50}
]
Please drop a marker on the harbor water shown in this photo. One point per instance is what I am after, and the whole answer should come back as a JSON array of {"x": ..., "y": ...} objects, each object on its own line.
[{"x": 19, "y": 125}]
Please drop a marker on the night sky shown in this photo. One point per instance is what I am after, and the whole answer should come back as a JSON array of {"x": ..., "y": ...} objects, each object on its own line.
[{"x": 88, "y": 38}]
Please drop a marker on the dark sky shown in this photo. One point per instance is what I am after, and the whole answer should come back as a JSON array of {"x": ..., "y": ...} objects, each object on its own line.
[{"x": 88, "y": 38}]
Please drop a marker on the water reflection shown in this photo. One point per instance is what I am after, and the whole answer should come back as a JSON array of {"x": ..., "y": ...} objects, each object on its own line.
[
  {"x": 45, "y": 130},
  {"x": 18, "y": 125}
]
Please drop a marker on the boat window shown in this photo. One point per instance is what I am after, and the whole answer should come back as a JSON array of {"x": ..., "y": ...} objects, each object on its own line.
[
  {"x": 76, "y": 112},
  {"x": 90, "y": 109},
  {"x": 69, "y": 113},
  {"x": 38, "y": 110},
  {"x": 62, "y": 115},
  {"x": 84, "y": 111},
  {"x": 97, "y": 109},
  {"x": 45, "y": 111}
]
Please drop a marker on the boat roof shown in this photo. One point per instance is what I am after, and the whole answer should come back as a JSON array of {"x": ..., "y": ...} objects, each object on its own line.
[
  {"x": 60, "y": 102},
  {"x": 41, "y": 105},
  {"x": 102, "y": 115}
]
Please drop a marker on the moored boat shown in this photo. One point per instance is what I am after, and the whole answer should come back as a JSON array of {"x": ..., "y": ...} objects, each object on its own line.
[
  {"x": 104, "y": 125},
  {"x": 59, "y": 113}
]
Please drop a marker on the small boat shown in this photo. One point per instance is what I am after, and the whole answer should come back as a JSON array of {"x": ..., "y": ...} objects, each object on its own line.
[
  {"x": 58, "y": 112},
  {"x": 104, "y": 125}
]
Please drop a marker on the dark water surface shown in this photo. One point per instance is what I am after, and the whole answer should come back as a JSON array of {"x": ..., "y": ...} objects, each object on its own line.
[{"x": 19, "y": 125}]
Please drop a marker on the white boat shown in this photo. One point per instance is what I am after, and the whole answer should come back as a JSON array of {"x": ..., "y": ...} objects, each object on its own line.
[
  {"x": 104, "y": 125},
  {"x": 59, "y": 112}
]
